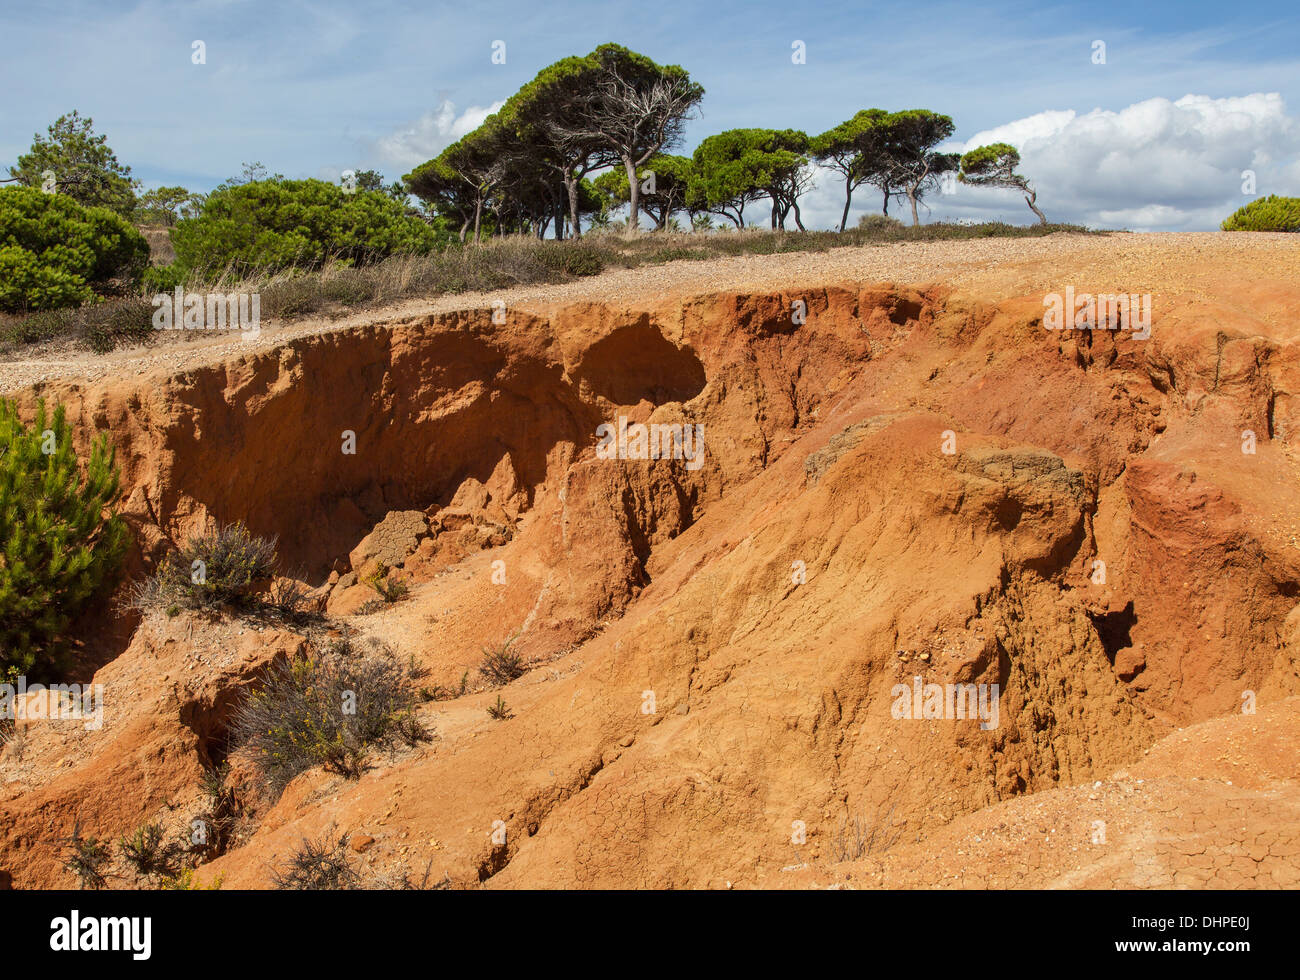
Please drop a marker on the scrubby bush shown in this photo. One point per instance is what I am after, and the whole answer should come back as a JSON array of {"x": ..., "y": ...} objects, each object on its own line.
[
  {"x": 501, "y": 665},
  {"x": 400, "y": 880},
  {"x": 60, "y": 543},
  {"x": 390, "y": 589},
  {"x": 86, "y": 859},
  {"x": 280, "y": 224},
  {"x": 860, "y": 837},
  {"x": 107, "y": 325},
  {"x": 224, "y": 567},
  {"x": 325, "y": 711},
  {"x": 351, "y": 287},
  {"x": 212, "y": 827},
  {"x": 99, "y": 326},
  {"x": 322, "y": 865},
  {"x": 572, "y": 259},
  {"x": 55, "y": 252},
  {"x": 878, "y": 222},
  {"x": 150, "y": 854},
  {"x": 292, "y": 297},
  {"x": 440, "y": 692},
  {"x": 39, "y": 327},
  {"x": 500, "y": 711},
  {"x": 1270, "y": 213}
]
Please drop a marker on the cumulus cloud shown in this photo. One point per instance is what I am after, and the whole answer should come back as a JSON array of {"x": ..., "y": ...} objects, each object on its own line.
[
  {"x": 1157, "y": 165},
  {"x": 430, "y": 134}
]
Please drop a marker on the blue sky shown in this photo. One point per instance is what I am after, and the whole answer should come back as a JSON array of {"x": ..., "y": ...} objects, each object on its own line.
[{"x": 313, "y": 88}]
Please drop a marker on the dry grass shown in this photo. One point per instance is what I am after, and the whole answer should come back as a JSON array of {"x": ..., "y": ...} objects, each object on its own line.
[
  {"x": 326, "y": 711},
  {"x": 497, "y": 263}
]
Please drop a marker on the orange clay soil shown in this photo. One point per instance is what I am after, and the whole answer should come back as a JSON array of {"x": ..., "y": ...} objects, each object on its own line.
[{"x": 919, "y": 480}]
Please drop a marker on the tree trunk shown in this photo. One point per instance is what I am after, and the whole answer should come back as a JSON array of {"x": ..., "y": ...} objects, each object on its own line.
[
  {"x": 464, "y": 227},
  {"x": 571, "y": 185},
  {"x": 848, "y": 199},
  {"x": 633, "y": 196},
  {"x": 1030, "y": 198},
  {"x": 798, "y": 218},
  {"x": 885, "y": 210},
  {"x": 478, "y": 215},
  {"x": 911, "y": 196}
]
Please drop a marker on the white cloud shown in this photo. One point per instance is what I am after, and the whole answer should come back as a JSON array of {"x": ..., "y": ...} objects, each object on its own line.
[
  {"x": 430, "y": 134},
  {"x": 1156, "y": 164}
]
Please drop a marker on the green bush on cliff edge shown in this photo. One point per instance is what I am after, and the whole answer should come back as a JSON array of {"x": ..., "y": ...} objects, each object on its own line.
[{"x": 1270, "y": 213}]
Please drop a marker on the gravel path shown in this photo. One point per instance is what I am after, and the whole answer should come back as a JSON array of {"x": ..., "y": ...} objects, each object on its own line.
[{"x": 1204, "y": 263}]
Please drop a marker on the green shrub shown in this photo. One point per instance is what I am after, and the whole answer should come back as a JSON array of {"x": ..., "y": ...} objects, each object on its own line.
[
  {"x": 150, "y": 854},
  {"x": 279, "y": 224},
  {"x": 225, "y": 567},
  {"x": 1270, "y": 213},
  {"x": 163, "y": 278},
  {"x": 86, "y": 859},
  {"x": 58, "y": 548},
  {"x": 326, "y": 712},
  {"x": 56, "y": 253},
  {"x": 390, "y": 589}
]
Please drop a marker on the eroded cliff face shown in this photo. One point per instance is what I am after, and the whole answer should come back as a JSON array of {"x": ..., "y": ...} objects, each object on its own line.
[{"x": 895, "y": 483}]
